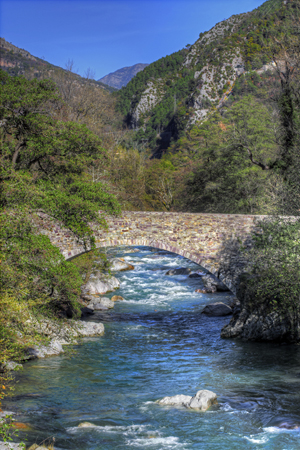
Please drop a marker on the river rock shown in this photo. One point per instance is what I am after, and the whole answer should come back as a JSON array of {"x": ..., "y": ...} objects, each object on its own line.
[
  {"x": 217, "y": 309},
  {"x": 43, "y": 351},
  {"x": 176, "y": 400},
  {"x": 179, "y": 271},
  {"x": 38, "y": 447},
  {"x": 10, "y": 365},
  {"x": 203, "y": 400},
  {"x": 86, "y": 425},
  {"x": 90, "y": 329},
  {"x": 67, "y": 335},
  {"x": 3, "y": 414},
  {"x": 100, "y": 284},
  {"x": 104, "y": 303},
  {"x": 195, "y": 275},
  {"x": 10, "y": 446},
  {"x": 211, "y": 281},
  {"x": 117, "y": 264},
  {"x": 117, "y": 298},
  {"x": 99, "y": 307},
  {"x": 210, "y": 290},
  {"x": 87, "y": 298}
]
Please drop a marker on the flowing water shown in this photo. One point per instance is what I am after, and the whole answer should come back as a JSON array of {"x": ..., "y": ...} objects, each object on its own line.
[{"x": 158, "y": 344}]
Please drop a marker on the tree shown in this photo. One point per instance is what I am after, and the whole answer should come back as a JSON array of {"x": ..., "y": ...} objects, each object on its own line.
[{"x": 44, "y": 169}]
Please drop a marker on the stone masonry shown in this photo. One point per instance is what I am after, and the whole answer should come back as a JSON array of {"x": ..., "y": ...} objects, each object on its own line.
[{"x": 211, "y": 240}]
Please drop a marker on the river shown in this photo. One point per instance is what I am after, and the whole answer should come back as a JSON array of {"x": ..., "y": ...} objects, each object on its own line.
[{"x": 158, "y": 344}]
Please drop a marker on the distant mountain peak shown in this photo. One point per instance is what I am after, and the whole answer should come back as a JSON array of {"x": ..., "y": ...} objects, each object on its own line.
[{"x": 121, "y": 77}]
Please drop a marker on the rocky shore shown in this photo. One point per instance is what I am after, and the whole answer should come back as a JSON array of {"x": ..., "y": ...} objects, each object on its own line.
[{"x": 254, "y": 322}]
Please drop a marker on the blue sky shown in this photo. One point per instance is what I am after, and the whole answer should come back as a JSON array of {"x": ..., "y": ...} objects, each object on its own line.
[{"x": 105, "y": 35}]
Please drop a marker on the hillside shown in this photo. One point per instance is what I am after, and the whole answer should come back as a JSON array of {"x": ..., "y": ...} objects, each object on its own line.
[
  {"x": 121, "y": 77},
  {"x": 179, "y": 90},
  {"x": 16, "y": 61}
]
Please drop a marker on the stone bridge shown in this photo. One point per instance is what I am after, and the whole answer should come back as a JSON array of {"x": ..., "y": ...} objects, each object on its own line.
[{"x": 211, "y": 240}]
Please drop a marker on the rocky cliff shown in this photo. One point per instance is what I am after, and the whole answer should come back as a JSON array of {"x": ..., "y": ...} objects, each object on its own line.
[{"x": 176, "y": 91}]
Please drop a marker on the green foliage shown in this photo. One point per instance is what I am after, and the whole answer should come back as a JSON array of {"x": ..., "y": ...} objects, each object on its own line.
[
  {"x": 130, "y": 95},
  {"x": 91, "y": 262},
  {"x": 51, "y": 157},
  {"x": 273, "y": 284},
  {"x": 45, "y": 166},
  {"x": 223, "y": 177}
]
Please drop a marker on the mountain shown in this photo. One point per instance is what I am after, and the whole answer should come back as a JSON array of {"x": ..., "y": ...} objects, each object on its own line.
[
  {"x": 181, "y": 89},
  {"x": 17, "y": 61},
  {"x": 121, "y": 77}
]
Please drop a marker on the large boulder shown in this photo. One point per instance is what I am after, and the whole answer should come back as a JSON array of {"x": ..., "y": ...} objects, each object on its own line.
[
  {"x": 203, "y": 400},
  {"x": 179, "y": 271},
  {"x": 100, "y": 284},
  {"x": 104, "y": 303},
  {"x": 67, "y": 335},
  {"x": 117, "y": 264},
  {"x": 210, "y": 281},
  {"x": 217, "y": 309},
  {"x": 176, "y": 400},
  {"x": 43, "y": 351}
]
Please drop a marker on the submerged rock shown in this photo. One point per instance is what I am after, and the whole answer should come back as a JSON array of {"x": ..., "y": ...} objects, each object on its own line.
[
  {"x": 203, "y": 400},
  {"x": 217, "y": 309},
  {"x": 86, "y": 425},
  {"x": 195, "y": 275},
  {"x": 179, "y": 271}
]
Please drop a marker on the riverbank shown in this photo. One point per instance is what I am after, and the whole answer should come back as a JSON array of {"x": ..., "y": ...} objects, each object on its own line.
[{"x": 157, "y": 343}]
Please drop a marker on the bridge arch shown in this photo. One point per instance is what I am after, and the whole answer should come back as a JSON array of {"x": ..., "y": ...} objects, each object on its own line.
[
  {"x": 160, "y": 246},
  {"x": 210, "y": 240}
]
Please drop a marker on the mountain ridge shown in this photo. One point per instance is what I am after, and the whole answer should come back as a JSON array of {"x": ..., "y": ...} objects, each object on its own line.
[
  {"x": 121, "y": 77},
  {"x": 17, "y": 61},
  {"x": 181, "y": 89}
]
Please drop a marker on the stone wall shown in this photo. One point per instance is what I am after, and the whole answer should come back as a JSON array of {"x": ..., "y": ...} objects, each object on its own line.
[{"x": 211, "y": 240}]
